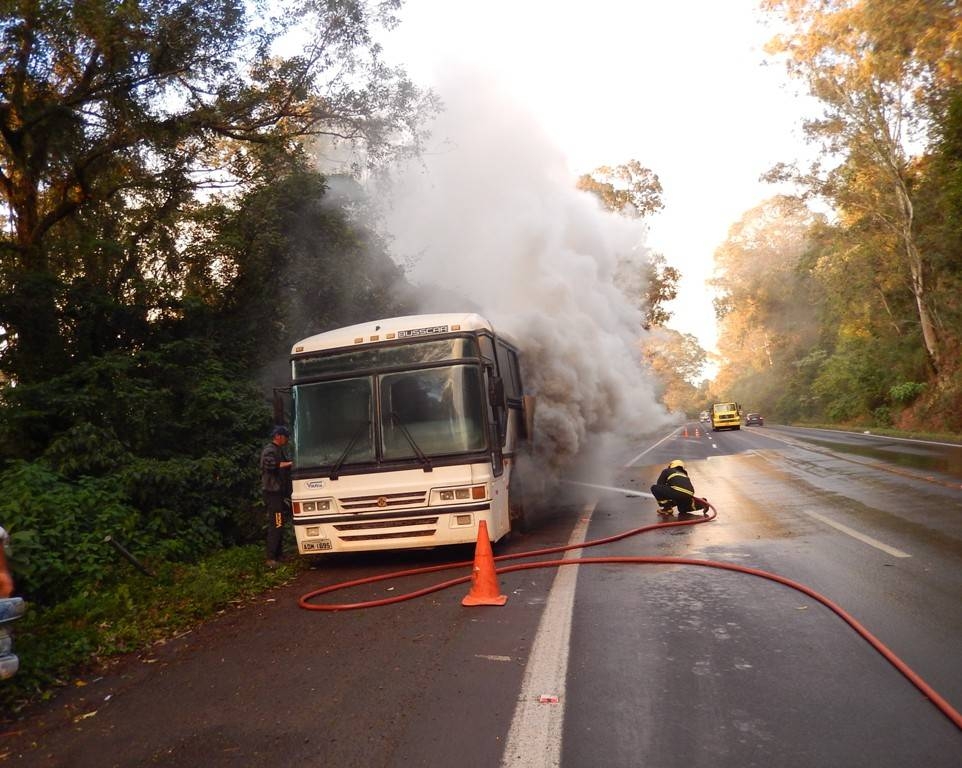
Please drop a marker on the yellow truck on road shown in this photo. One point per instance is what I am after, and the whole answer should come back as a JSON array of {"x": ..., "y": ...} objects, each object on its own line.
[{"x": 726, "y": 416}]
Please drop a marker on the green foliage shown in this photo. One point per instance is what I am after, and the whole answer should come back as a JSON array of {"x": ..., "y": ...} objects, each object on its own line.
[
  {"x": 299, "y": 266},
  {"x": 856, "y": 379},
  {"x": 865, "y": 326},
  {"x": 157, "y": 449},
  {"x": 160, "y": 511},
  {"x": 882, "y": 416},
  {"x": 939, "y": 217},
  {"x": 907, "y": 391},
  {"x": 858, "y": 60},
  {"x": 56, "y": 643},
  {"x": 940, "y": 407},
  {"x": 178, "y": 399},
  {"x": 168, "y": 99},
  {"x": 58, "y": 528},
  {"x": 145, "y": 315}
]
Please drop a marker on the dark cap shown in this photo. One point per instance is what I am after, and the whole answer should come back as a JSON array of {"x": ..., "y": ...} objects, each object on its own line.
[{"x": 280, "y": 430}]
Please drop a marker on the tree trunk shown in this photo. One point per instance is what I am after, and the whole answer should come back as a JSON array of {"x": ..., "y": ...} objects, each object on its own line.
[{"x": 930, "y": 335}]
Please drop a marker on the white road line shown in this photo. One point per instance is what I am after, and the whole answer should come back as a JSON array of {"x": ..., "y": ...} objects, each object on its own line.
[
  {"x": 627, "y": 491},
  {"x": 881, "y": 437},
  {"x": 651, "y": 448},
  {"x": 860, "y": 536},
  {"x": 534, "y": 740}
]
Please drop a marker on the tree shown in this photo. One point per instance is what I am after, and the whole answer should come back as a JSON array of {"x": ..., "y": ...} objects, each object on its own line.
[
  {"x": 878, "y": 68},
  {"x": 662, "y": 287},
  {"x": 766, "y": 318},
  {"x": 298, "y": 265},
  {"x": 676, "y": 361},
  {"x": 634, "y": 191},
  {"x": 939, "y": 216},
  {"x": 649, "y": 286},
  {"x": 629, "y": 189},
  {"x": 115, "y": 116}
]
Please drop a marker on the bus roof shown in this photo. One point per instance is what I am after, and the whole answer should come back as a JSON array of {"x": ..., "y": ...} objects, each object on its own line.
[{"x": 391, "y": 329}]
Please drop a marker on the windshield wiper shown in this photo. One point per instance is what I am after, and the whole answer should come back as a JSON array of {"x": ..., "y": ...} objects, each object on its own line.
[
  {"x": 357, "y": 435},
  {"x": 404, "y": 431}
]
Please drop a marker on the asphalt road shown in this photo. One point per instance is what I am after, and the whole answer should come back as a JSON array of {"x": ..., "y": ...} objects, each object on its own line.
[{"x": 639, "y": 664}]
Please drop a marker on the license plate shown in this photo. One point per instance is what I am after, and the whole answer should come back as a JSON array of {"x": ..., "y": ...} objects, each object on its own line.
[{"x": 316, "y": 546}]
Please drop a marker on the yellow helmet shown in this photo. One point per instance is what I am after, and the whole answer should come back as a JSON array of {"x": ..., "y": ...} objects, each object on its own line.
[{"x": 677, "y": 463}]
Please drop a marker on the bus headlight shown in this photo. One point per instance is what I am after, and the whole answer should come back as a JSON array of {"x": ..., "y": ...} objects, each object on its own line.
[
  {"x": 454, "y": 495},
  {"x": 315, "y": 505}
]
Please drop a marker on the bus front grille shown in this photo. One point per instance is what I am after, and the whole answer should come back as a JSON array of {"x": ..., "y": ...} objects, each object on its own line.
[
  {"x": 374, "y": 524},
  {"x": 399, "y": 535},
  {"x": 383, "y": 501}
]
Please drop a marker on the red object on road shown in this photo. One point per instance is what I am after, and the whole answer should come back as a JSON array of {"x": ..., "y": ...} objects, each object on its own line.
[{"x": 484, "y": 580}]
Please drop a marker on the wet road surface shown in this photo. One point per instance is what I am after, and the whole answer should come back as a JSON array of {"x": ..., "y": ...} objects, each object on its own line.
[{"x": 654, "y": 665}]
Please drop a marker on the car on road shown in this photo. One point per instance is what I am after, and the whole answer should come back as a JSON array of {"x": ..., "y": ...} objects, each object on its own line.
[
  {"x": 705, "y": 416},
  {"x": 754, "y": 419}
]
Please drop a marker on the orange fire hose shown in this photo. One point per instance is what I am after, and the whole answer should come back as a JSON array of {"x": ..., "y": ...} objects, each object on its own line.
[{"x": 954, "y": 715}]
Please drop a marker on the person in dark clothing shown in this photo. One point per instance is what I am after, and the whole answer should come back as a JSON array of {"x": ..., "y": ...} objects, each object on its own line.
[
  {"x": 275, "y": 477},
  {"x": 674, "y": 489}
]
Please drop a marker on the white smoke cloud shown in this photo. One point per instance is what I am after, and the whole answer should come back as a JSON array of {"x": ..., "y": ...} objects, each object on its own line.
[{"x": 491, "y": 214}]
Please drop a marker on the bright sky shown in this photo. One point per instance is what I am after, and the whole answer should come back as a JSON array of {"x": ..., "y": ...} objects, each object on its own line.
[{"x": 679, "y": 86}]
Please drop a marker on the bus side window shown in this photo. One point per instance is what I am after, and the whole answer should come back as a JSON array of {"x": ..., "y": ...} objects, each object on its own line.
[
  {"x": 508, "y": 370},
  {"x": 515, "y": 368},
  {"x": 487, "y": 348}
]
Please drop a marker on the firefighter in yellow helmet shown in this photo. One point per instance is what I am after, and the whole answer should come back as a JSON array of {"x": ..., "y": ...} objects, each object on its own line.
[{"x": 674, "y": 489}]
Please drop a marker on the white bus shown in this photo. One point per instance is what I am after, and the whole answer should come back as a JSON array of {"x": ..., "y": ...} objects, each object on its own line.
[{"x": 406, "y": 433}]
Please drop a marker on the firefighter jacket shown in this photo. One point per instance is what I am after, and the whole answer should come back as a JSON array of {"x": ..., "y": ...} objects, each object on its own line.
[{"x": 677, "y": 478}]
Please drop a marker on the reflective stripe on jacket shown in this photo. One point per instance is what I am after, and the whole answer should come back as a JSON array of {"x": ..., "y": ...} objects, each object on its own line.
[{"x": 680, "y": 482}]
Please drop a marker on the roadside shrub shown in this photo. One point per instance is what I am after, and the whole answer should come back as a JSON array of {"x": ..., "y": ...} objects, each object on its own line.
[
  {"x": 174, "y": 510},
  {"x": 58, "y": 527},
  {"x": 882, "y": 416},
  {"x": 157, "y": 449},
  {"x": 906, "y": 392}
]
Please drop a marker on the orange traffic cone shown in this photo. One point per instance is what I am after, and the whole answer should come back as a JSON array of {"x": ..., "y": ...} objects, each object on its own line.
[
  {"x": 685, "y": 433},
  {"x": 697, "y": 432},
  {"x": 484, "y": 580}
]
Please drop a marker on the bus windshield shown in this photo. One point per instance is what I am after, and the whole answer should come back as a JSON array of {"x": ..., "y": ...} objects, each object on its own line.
[
  {"x": 421, "y": 413},
  {"x": 333, "y": 422},
  {"x": 440, "y": 409}
]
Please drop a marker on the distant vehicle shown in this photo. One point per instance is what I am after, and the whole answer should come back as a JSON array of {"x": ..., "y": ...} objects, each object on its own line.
[
  {"x": 705, "y": 416},
  {"x": 754, "y": 418},
  {"x": 726, "y": 416}
]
